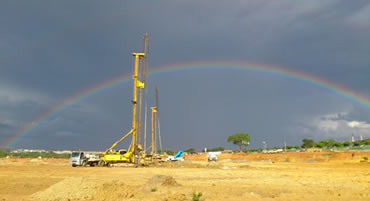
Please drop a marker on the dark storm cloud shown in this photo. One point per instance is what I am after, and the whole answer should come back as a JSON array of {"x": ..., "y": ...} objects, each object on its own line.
[{"x": 52, "y": 50}]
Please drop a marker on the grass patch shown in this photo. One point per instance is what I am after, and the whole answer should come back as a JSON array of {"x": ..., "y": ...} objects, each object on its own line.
[{"x": 196, "y": 196}]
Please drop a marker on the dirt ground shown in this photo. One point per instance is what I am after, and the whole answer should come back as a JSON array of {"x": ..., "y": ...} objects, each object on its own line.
[{"x": 291, "y": 176}]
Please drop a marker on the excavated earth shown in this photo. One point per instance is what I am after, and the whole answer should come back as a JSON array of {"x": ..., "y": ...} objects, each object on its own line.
[{"x": 285, "y": 176}]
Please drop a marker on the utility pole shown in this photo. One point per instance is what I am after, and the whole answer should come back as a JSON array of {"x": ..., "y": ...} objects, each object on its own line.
[
  {"x": 265, "y": 145},
  {"x": 284, "y": 146}
]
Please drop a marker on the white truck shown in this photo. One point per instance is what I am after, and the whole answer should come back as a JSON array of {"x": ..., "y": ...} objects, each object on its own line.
[
  {"x": 80, "y": 158},
  {"x": 212, "y": 156}
]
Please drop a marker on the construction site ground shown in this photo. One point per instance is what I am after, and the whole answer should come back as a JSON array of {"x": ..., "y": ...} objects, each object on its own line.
[{"x": 285, "y": 176}]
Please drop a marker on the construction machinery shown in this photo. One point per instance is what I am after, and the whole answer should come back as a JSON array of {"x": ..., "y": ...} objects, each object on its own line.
[
  {"x": 156, "y": 132},
  {"x": 176, "y": 157},
  {"x": 130, "y": 155},
  {"x": 365, "y": 160}
]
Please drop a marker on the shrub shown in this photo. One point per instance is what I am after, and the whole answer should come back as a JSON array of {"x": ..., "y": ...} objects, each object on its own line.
[
  {"x": 347, "y": 143},
  {"x": 216, "y": 149},
  {"x": 338, "y": 144},
  {"x": 196, "y": 196},
  {"x": 358, "y": 143},
  {"x": 190, "y": 150},
  {"x": 4, "y": 153}
]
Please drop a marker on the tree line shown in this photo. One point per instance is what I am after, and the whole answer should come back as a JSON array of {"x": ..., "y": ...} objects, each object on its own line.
[
  {"x": 330, "y": 143},
  {"x": 48, "y": 154}
]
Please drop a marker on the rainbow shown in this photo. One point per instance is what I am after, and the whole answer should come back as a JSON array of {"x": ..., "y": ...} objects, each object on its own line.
[{"x": 279, "y": 71}]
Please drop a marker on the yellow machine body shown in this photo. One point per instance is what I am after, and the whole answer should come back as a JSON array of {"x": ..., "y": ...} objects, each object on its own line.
[{"x": 120, "y": 156}]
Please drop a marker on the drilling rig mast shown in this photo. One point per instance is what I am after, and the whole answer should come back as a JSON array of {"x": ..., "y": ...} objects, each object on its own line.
[{"x": 110, "y": 156}]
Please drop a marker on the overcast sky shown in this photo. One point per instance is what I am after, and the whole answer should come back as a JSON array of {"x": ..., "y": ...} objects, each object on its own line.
[{"x": 51, "y": 50}]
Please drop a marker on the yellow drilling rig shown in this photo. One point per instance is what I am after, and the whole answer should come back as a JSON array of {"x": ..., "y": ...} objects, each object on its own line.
[{"x": 132, "y": 154}]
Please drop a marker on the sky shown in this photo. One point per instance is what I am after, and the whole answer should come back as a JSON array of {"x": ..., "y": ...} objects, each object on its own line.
[{"x": 52, "y": 50}]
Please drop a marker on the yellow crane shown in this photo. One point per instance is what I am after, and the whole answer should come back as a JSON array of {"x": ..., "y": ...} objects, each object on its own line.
[{"x": 110, "y": 156}]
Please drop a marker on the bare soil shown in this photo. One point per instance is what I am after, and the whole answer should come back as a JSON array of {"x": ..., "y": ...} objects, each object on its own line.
[{"x": 289, "y": 176}]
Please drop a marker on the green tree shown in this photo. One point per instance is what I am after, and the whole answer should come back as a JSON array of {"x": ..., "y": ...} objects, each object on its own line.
[
  {"x": 347, "y": 143},
  {"x": 289, "y": 147},
  {"x": 358, "y": 143},
  {"x": 296, "y": 147},
  {"x": 170, "y": 152},
  {"x": 190, "y": 150},
  {"x": 307, "y": 143},
  {"x": 216, "y": 149},
  {"x": 338, "y": 144},
  {"x": 4, "y": 153},
  {"x": 240, "y": 139},
  {"x": 330, "y": 143},
  {"x": 325, "y": 143},
  {"x": 320, "y": 144},
  {"x": 367, "y": 142}
]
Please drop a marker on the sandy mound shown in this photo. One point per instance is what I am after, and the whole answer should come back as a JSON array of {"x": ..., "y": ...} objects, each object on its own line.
[
  {"x": 162, "y": 180},
  {"x": 175, "y": 197},
  {"x": 79, "y": 189},
  {"x": 114, "y": 190},
  {"x": 67, "y": 190},
  {"x": 179, "y": 164}
]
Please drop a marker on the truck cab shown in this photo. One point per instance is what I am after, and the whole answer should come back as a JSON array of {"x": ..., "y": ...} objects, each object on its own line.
[{"x": 78, "y": 159}]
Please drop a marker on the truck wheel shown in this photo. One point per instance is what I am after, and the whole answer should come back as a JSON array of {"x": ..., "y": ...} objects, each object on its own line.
[
  {"x": 73, "y": 165},
  {"x": 84, "y": 164},
  {"x": 101, "y": 163}
]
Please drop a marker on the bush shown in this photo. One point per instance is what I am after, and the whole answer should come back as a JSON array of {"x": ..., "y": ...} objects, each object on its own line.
[
  {"x": 190, "y": 150},
  {"x": 49, "y": 154},
  {"x": 169, "y": 152},
  {"x": 196, "y": 196},
  {"x": 320, "y": 144},
  {"x": 358, "y": 143},
  {"x": 338, "y": 144},
  {"x": 216, "y": 149},
  {"x": 4, "y": 153},
  {"x": 289, "y": 147},
  {"x": 347, "y": 143},
  {"x": 255, "y": 150}
]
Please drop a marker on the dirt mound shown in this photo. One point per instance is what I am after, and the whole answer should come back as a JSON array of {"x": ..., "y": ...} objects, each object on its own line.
[
  {"x": 67, "y": 190},
  {"x": 161, "y": 183},
  {"x": 175, "y": 197},
  {"x": 162, "y": 180},
  {"x": 114, "y": 191},
  {"x": 179, "y": 164},
  {"x": 79, "y": 189}
]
